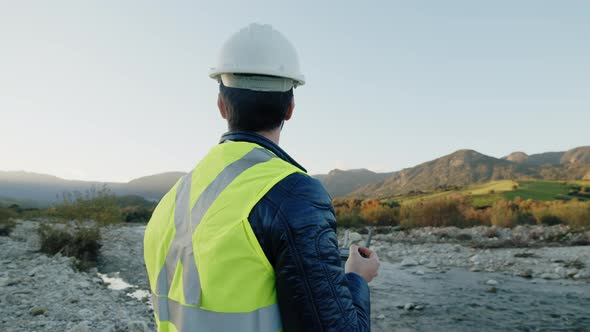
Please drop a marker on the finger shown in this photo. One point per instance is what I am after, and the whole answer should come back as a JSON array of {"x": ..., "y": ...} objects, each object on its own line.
[
  {"x": 353, "y": 250},
  {"x": 374, "y": 255}
]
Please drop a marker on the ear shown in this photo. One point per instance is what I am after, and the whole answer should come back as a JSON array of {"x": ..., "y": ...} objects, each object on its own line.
[
  {"x": 221, "y": 107},
  {"x": 290, "y": 110}
]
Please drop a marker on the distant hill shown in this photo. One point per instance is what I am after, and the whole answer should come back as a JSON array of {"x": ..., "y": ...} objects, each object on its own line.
[
  {"x": 45, "y": 189},
  {"x": 340, "y": 183},
  {"x": 460, "y": 168}
]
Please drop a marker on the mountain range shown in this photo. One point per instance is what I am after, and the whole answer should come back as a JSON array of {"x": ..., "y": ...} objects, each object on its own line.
[{"x": 460, "y": 168}]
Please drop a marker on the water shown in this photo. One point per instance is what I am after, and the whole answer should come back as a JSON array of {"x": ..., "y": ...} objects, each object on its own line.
[
  {"x": 458, "y": 300},
  {"x": 115, "y": 282}
]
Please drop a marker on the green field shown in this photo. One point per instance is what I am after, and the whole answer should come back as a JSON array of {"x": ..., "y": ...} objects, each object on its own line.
[
  {"x": 538, "y": 190},
  {"x": 489, "y": 193}
]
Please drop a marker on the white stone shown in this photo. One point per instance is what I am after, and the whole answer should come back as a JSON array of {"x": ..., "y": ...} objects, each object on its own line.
[
  {"x": 492, "y": 282},
  {"x": 560, "y": 271},
  {"x": 549, "y": 276},
  {"x": 81, "y": 327},
  {"x": 409, "y": 262},
  {"x": 382, "y": 316},
  {"x": 355, "y": 237},
  {"x": 409, "y": 306},
  {"x": 571, "y": 272}
]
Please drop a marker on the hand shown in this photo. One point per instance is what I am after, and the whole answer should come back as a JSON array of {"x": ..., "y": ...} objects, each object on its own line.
[{"x": 365, "y": 267}]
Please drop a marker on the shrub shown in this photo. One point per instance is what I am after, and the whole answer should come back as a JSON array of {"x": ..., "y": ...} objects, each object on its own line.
[
  {"x": 349, "y": 221},
  {"x": 574, "y": 213},
  {"x": 437, "y": 212},
  {"x": 525, "y": 218},
  {"x": 99, "y": 205},
  {"x": 550, "y": 220},
  {"x": 475, "y": 216},
  {"x": 503, "y": 214},
  {"x": 380, "y": 215},
  {"x": 6, "y": 223},
  {"x": 81, "y": 242},
  {"x": 137, "y": 214}
]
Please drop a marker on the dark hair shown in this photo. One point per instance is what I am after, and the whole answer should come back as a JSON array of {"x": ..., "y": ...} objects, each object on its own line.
[{"x": 253, "y": 111}]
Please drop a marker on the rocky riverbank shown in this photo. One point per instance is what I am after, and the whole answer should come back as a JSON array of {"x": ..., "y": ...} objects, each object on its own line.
[
  {"x": 45, "y": 293},
  {"x": 431, "y": 278},
  {"x": 529, "y": 252}
]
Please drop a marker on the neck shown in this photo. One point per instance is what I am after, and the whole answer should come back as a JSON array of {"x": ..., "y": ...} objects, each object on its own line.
[{"x": 273, "y": 135}]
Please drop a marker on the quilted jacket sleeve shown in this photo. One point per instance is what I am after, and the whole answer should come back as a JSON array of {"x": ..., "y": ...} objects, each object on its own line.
[{"x": 296, "y": 228}]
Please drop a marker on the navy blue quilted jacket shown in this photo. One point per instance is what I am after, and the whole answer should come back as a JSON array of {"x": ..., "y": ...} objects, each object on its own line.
[{"x": 295, "y": 226}]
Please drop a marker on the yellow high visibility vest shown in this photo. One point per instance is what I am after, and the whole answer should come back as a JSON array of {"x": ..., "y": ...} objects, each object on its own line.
[{"x": 206, "y": 269}]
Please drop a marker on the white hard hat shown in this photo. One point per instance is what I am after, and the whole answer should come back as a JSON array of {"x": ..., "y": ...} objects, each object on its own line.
[{"x": 259, "y": 58}]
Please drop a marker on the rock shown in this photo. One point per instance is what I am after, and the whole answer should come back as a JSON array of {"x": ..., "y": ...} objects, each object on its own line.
[
  {"x": 83, "y": 284},
  {"x": 549, "y": 276},
  {"x": 419, "y": 307},
  {"x": 10, "y": 281},
  {"x": 571, "y": 272},
  {"x": 409, "y": 262},
  {"x": 475, "y": 259},
  {"x": 81, "y": 327},
  {"x": 419, "y": 272},
  {"x": 528, "y": 273},
  {"x": 431, "y": 265},
  {"x": 582, "y": 275},
  {"x": 9, "y": 299},
  {"x": 355, "y": 237},
  {"x": 73, "y": 299},
  {"x": 492, "y": 282},
  {"x": 409, "y": 306},
  {"x": 561, "y": 272},
  {"x": 382, "y": 316},
  {"x": 475, "y": 269},
  {"x": 423, "y": 261},
  {"x": 85, "y": 313},
  {"x": 137, "y": 326},
  {"x": 62, "y": 315},
  {"x": 35, "y": 271},
  {"x": 492, "y": 289},
  {"x": 36, "y": 311}
]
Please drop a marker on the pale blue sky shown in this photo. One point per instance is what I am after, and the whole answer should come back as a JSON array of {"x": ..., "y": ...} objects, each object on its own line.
[{"x": 114, "y": 90}]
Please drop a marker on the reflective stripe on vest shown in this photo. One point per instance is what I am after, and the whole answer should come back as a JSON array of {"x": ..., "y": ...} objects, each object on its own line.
[
  {"x": 189, "y": 315},
  {"x": 187, "y": 318}
]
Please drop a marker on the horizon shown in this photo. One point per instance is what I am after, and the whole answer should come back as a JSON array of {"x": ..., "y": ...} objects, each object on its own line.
[
  {"x": 314, "y": 174},
  {"x": 107, "y": 92}
]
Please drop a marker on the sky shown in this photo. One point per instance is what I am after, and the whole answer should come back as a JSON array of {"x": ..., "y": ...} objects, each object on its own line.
[{"x": 115, "y": 90}]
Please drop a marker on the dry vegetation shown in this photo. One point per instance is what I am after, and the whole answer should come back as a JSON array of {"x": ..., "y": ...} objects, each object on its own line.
[
  {"x": 72, "y": 227},
  {"x": 457, "y": 210}
]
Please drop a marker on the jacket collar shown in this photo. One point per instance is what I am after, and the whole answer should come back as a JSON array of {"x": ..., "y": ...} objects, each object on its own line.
[{"x": 242, "y": 136}]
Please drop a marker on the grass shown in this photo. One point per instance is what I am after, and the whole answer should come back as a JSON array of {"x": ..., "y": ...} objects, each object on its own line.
[
  {"x": 495, "y": 186},
  {"x": 538, "y": 190},
  {"x": 481, "y": 193},
  {"x": 489, "y": 193}
]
